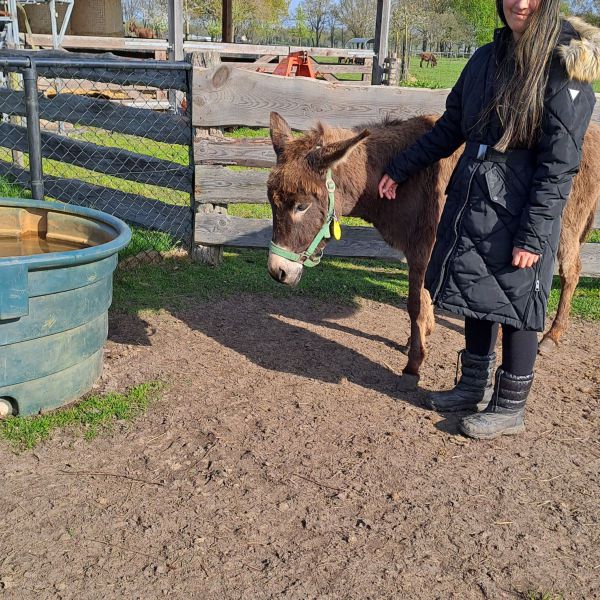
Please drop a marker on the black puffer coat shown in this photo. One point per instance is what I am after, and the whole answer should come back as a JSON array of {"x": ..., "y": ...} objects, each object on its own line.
[{"x": 498, "y": 201}]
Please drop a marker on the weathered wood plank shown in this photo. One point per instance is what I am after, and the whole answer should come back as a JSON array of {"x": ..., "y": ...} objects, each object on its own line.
[
  {"x": 102, "y": 159},
  {"x": 321, "y": 68},
  {"x": 157, "y": 78},
  {"x": 256, "y": 233},
  {"x": 228, "y": 96},
  {"x": 596, "y": 224},
  {"x": 316, "y": 51},
  {"x": 250, "y": 49},
  {"x": 356, "y": 242},
  {"x": 241, "y": 152},
  {"x": 162, "y": 127},
  {"x": 136, "y": 210},
  {"x": 218, "y": 185},
  {"x": 92, "y": 42}
]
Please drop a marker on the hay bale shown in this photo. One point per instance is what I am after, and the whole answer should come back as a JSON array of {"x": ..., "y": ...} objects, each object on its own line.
[{"x": 98, "y": 17}]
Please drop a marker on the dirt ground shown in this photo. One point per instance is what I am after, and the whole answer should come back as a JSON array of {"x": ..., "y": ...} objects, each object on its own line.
[{"x": 283, "y": 462}]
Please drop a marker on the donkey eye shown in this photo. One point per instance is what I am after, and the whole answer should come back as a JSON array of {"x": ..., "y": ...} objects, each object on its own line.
[{"x": 301, "y": 208}]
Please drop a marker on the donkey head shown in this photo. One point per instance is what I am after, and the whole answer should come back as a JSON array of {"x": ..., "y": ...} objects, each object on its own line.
[{"x": 298, "y": 194}]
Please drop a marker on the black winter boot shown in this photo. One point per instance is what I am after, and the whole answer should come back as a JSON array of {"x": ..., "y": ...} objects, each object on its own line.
[
  {"x": 473, "y": 391},
  {"x": 505, "y": 413}
]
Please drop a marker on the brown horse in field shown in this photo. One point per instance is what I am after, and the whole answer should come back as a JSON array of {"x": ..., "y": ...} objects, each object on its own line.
[
  {"x": 429, "y": 58},
  {"x": 299, "y": 201}
]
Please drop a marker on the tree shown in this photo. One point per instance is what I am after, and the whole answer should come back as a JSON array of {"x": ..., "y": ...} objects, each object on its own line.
[
  {"x": 316, "y": 12},
  {"x": 249, "y": 16},
  {"x": 150, "y": 13},
  {"x": 481, "y": 15},
  {"x": 358, "y": 16},
  {"x": 300, "y": 30}
]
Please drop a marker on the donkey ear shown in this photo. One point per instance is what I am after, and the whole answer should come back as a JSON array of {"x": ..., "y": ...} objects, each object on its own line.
[
  {"x": 281, "y": 133},
  {"x": 332, "y": 154}
]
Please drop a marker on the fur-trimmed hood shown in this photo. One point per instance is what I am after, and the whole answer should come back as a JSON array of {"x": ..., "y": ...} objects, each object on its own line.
[{"x": 581, "y": 57}]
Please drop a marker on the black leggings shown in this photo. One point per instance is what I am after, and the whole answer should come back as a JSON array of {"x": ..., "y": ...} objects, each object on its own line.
[{"x": 519, "y": 347}]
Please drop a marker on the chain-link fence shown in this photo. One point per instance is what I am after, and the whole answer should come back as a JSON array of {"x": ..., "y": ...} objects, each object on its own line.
[{"x": 114, "y": 135}]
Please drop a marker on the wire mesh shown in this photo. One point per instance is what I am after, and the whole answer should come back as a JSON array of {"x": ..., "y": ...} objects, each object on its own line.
[{"x": 112, "y": 138}]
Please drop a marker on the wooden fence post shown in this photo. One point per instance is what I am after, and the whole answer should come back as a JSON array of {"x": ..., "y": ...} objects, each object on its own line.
[
  {"x": 210, "y": 255},
  {"x": 393, "y": 70}
]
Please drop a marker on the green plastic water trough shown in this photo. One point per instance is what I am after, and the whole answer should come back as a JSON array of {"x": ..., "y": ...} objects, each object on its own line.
[{"x": 56, "y": 268}]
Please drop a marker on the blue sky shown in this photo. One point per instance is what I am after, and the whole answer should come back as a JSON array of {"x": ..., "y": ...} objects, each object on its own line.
[{"x": 293, "y": 4}]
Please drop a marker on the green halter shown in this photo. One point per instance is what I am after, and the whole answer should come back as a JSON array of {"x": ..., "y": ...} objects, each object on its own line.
[{"x": 308, "y": 258}]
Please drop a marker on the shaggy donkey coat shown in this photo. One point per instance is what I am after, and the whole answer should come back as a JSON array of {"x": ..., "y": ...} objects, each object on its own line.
[{"x": 497, "y": 201}]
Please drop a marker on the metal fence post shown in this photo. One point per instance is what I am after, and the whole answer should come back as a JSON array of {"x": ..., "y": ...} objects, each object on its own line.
[{"x": 33, "y": 131}]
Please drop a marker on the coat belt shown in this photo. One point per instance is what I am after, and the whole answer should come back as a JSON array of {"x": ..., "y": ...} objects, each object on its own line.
[{"x": 486, "y": 153}]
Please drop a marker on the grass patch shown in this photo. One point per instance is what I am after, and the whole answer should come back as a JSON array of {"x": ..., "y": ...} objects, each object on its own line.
[
  {"x": 172, "y": 152},
  {"x": 531, "y": 595},
  {"x": 445, "y": 75},
  {"x": 143, "y": 240},
  {"x": 349, "y": 76},
  {"x": 174, "y": 283},
  {"x": 90, "y": 416},
  {"x": 594, "y": 236},
  {"x": 11, "y": 190},
  {"x": 60, "y": 169},
  {"x": 247, "y": 132}
]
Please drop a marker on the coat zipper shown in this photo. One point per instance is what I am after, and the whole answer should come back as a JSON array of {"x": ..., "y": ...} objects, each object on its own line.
[
  {"x": 459, "y": 215},
  {"x": 534, "y": 291}
]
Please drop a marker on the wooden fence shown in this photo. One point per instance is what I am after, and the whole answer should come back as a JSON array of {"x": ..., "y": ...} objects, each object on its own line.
[
  {"x": 78, "y": 131},
  {"x": 227, "y": 96}
]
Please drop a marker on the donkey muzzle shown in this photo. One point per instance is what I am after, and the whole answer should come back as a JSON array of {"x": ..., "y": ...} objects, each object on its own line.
[{"x": 283, "y": 270}]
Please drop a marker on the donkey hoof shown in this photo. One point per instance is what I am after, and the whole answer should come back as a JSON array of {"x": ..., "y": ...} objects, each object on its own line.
[
  {"x": 408, "y": 382},
  {"x": 547, "y": 347}
]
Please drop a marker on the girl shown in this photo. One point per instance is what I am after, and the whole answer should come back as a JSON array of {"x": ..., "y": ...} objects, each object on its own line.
[{"x": 522, "y": 105}]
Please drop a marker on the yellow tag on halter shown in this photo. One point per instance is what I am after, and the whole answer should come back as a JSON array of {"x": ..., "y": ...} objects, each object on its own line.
[{"x": 336, "y": 230}]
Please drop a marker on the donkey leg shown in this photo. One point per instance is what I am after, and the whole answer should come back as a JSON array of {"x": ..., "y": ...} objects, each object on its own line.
[
  {"x": 569, "y": 266},
  {"x": 427, "y": 307},
  {"x": 419, "y": 313}
]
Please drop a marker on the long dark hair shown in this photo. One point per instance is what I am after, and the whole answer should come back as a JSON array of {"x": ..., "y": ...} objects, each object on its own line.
[{"x": 523, "y": 76}]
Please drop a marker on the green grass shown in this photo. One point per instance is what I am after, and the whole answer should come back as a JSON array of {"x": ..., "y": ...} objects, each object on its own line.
[
  {"x": 536, "y": 595},
  {"x": 59, "y": 169},
  {"x": 445, "y": 75},
  {"x": 10, "y": 190},
  {"x": 174, "y": 284},
  {"x": 349, "y": 76},
  {"x": 594, "y": 236},
  {"x": 143, "y": 240},
  {"x": 89, "y": 417},
  {"x": 247, "y": 132},
  {"x": 171, "y": 152}
]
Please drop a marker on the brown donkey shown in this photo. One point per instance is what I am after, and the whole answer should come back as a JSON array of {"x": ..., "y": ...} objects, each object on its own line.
[{"x": 299, "y": 201}]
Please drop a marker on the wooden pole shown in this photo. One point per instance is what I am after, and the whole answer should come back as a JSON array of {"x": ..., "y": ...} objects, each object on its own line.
[
  {"x": 382, "y": 28},
  {"x": 227, "y": 21},
  {"x": 175, "y": 29},
  {"x": 206, "y": 253}
]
